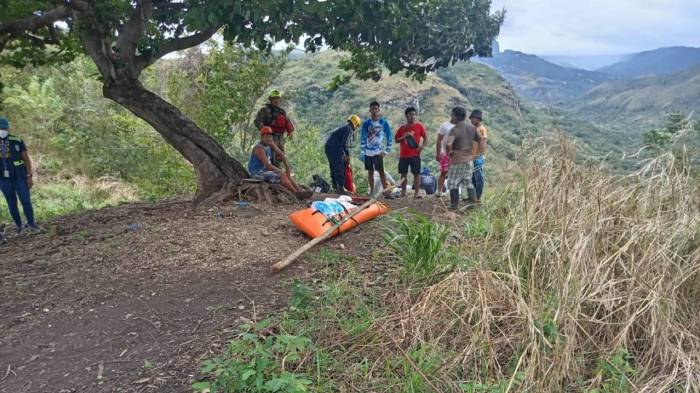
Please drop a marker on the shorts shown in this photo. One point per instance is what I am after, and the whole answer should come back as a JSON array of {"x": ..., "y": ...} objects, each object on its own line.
[
  {"x": 374, "y": 163},
  {"x": 268, "y": 177},
  {"x": 460, "y": 174},
  {"x": 444, "y": 162},
  {"x": 413, "y": 162}
]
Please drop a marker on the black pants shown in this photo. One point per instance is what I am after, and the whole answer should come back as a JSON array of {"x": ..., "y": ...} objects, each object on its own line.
[{"x": 337, "y": 165}]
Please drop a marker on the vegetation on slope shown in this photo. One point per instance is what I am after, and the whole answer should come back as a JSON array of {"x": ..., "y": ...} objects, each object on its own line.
[{"x": 575, "y": 280}]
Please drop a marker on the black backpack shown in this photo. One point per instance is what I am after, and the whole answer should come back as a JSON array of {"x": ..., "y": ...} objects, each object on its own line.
[{"x": 320, "y": 185}]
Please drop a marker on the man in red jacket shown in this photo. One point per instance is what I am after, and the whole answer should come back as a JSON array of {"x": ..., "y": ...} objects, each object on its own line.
[
  {"x": 275, "y": 117},
  {"x": 413, "y": 139}
]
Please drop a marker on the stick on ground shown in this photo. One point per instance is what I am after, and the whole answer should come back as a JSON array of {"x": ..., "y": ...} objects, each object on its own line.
[{"x": 306, "y": 247}]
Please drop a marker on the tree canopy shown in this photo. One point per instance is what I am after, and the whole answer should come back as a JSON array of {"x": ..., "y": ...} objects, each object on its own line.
[{"x": 126, "y": 36}]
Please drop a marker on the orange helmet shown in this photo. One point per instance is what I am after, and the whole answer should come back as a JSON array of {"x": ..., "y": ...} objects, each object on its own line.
[{"x": 265, "y": 130}]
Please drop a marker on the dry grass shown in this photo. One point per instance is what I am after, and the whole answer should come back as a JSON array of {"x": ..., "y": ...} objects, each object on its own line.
[{"x": 591, "y": 264}]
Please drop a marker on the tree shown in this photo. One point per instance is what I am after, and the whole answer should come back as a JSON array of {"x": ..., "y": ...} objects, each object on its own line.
[
  {"x": 123, "y": 37},
  {"x": 676, "y": 122}
]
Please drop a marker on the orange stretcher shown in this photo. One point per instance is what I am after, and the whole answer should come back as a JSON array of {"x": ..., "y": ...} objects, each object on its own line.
[{"x": 314, "y": 223}]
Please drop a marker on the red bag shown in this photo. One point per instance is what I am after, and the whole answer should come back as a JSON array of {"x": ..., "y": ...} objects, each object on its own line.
[{"x": 349, "y": 184}]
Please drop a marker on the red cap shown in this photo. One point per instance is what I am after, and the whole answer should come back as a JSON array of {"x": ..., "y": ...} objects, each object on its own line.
[{"x": 265, "y": 130}]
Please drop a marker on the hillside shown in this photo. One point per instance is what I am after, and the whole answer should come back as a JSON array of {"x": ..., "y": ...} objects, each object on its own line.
[
  {"x": 541, "y": 81},
  {"x": 471, "y": 85},
  {"x": 655, "y": 62},
  {"x": 643, "y": 100}
]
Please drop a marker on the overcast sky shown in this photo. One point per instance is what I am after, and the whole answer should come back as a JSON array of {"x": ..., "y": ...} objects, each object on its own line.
[{"x": 598, "y": 27}]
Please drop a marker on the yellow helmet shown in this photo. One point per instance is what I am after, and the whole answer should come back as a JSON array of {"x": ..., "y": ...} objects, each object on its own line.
[
  {"x": 275, "y": 94},
  {"x": 355, "y": 120}
]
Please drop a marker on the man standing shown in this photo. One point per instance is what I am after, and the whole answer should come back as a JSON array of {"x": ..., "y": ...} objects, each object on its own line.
[
  {"x": 338, "y": 153},
  {"x": 375, "y": 141},
  {"x": 476, "y": 118},
  {"x": 441, "y": 155},
  {"x": 16, "y": 176},
  {"x": 273, "y": 116},
  {"x": 412, "y": 139},
  {"x": 461, "y": 149},
  {"x": 261, "y": 167}
]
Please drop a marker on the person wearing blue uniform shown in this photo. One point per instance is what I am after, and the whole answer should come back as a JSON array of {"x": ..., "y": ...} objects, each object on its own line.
[
  {"x": 338, "y": 153},
  {"x": 16, "y": 176}
]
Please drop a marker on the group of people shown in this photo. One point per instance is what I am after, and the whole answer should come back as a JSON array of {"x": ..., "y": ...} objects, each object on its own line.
[{"x": 460, "y": 151}]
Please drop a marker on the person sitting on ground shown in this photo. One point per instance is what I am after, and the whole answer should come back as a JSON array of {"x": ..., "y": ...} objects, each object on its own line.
[
  {"x": 462, "y": 149},
  {"x": 260, "y": 165},
  {"x": 375, "y": 142},
  {"x": 476, "y": 118},
  {"x": 16, "y": 177},
  {"x": 412, "y": 139},
  {"x": 338, "y": 152}
]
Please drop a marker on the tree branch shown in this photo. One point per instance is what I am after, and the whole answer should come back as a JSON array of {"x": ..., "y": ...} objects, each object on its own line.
[
  {"x": 34, "y": 22},
  {"x": 133, "y": 30},
  {"x": 174, "y": 45}
]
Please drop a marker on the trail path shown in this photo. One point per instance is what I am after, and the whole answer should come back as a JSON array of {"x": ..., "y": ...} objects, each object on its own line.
[{"x": 133, "y": 298}]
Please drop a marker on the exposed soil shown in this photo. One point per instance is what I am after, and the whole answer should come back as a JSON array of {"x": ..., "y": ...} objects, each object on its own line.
[{"x": 133, "y": 298}]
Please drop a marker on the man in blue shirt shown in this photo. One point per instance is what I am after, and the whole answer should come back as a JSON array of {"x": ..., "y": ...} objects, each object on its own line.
[
  {"x": 375, "y": 141},
  {"x": 16, "y": 176},
  {"x": 338, "y": 152},
  {"x": 260, "y": 165}
]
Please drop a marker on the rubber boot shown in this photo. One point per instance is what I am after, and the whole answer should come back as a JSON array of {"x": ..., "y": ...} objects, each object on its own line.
[
  {"x": 471, "y": 199},
  {"x": 454, "y": 199}
]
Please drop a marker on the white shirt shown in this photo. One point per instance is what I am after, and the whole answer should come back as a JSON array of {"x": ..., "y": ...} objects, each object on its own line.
[{"x": 444, "y": 130}]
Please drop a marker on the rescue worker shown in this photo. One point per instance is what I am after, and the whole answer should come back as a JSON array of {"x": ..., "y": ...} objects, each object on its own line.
[
  {"x": 261, "y": 167},
  {"x": 338, "y": 152},
  {"x": 275, "y": 117},
  {"x": 16, "y": 177}
]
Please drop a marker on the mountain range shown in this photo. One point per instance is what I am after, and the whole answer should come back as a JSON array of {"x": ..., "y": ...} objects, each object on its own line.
[{"x": 635, "y": 91}]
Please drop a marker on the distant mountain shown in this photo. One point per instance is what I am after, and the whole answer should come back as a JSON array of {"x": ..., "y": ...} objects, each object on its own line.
[
  {"x": 655, "y": 62},
  {"x": 589, "y": 63},
  {"x": 541, "y": 81},
  {"x": 641, "y": 102}
]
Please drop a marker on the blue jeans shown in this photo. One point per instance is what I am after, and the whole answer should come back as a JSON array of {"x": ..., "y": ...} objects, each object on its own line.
[
  {"x": 12, "y": 189},
  {"x": 478, "y": 176}
]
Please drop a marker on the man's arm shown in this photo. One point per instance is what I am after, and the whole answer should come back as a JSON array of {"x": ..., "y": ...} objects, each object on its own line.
[
  {"x": 401, "y": 134},
  {"x": 476, "y": 146},
  {"x": 345, "y": 141},
  {"x": 450, "y": 142},
  {"x": 438, "y": 147},
  {"x": 259, "y": 152},
  {"x": 425, "y": 140},
  {"x": 363, "y": 140},
  {"x": 388, "y": 135},
  {"x": 28, "y": 165},
  {"x": 279, "y": 154}
]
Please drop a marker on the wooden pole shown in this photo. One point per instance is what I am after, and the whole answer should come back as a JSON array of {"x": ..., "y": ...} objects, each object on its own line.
[{"x": 325, "y": 235}]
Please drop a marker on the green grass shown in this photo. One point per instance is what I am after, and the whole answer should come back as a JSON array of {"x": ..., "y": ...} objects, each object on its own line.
[{"x": 58, "y": 196}]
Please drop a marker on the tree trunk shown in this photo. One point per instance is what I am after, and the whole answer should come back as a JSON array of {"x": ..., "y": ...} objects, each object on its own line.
[{"x": 218, "y": 174}]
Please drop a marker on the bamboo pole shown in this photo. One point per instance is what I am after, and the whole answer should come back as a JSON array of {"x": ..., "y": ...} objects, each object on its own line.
[{"x": 325, "y": 235}]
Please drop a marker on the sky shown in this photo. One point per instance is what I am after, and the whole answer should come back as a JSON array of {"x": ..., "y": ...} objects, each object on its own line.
[{"x": 597, "y": 27}]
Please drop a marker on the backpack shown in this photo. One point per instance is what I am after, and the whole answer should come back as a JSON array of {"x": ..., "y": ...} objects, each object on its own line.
[
  {"x": 427, "y": 181},
  {"x": 320, "y": 185}
]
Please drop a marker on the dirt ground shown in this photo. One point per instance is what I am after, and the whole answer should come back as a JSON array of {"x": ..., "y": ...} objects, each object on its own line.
[{"x": 133, "y": 298}]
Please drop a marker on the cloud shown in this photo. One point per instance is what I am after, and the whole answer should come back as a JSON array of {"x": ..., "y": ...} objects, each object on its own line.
[{"x": 597, "y": 27}]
